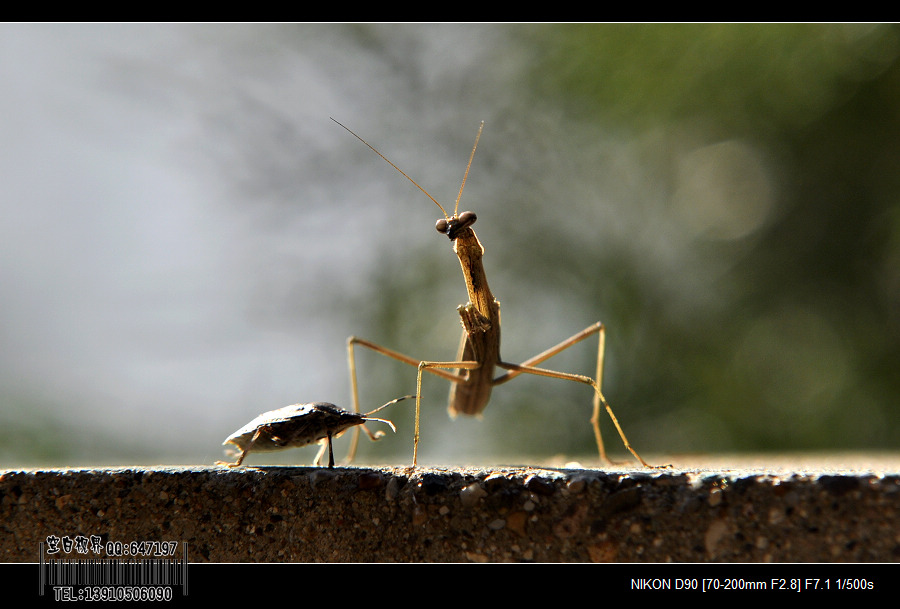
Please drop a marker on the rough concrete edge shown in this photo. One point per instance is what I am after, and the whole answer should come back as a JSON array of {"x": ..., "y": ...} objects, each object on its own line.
[{"x": 510, "y": 513}]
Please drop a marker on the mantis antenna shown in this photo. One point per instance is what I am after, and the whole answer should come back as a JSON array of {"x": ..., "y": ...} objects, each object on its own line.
[{"x": 388, "y": 161}]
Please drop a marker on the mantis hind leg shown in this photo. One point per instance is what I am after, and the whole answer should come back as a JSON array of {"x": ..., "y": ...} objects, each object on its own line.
[{"x": 529, "y": 367}]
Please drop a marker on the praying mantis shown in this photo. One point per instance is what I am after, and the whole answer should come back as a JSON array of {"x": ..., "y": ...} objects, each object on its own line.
[{"x": 472, "y": 373}]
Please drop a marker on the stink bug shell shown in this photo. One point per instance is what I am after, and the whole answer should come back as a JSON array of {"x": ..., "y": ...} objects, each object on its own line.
[
  {"x": 293, "y": 426},
  {"x": 299, "y": 425}
]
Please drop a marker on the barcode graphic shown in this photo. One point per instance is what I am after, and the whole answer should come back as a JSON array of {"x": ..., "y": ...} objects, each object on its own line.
[{"x": 114, "y": 571}]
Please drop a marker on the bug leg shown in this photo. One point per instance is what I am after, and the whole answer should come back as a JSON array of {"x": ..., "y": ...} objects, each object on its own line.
[
  {"x": 320, "y": 454},
  {"x": 237, "y": 463},
  {"x": 330, "y": 452},
  {"x": 244, "y": 452},
  {"x": 373, "y": 436}
]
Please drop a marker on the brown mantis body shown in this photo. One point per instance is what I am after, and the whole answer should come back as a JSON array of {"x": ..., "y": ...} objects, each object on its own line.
[{"x": 472, "y": 374}]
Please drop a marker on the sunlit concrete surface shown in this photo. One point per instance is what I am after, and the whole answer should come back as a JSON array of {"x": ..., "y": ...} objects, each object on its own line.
[{"x": 764, "y": 510}]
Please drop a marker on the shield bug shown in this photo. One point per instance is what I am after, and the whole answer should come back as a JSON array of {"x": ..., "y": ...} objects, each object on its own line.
[{"x": 299, "y": 425}]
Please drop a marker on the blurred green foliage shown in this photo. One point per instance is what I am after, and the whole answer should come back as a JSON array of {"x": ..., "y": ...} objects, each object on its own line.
[
  {"x": 744, "y": 78},
  {"x": 752, "y": 302},
  {"x": 806, "y": 352}
]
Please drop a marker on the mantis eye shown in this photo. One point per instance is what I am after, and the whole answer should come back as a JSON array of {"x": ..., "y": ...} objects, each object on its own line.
[{"x": 452, "y": 226}]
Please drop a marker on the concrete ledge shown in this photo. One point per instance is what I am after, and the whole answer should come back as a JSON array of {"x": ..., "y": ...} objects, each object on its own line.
[{"x": 394, "y": 514}]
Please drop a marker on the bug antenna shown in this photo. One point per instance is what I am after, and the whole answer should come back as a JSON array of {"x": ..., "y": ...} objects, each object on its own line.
[
  {"x": 371, "y": 147},
  {"x": 466, "y": 175},
  {"x": 389, "y": 424}
]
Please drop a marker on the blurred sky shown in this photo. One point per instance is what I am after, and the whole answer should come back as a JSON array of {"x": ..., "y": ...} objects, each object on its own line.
[
  {"x": 170, "y": 189},
  {"x": 188, "y": 239}
]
